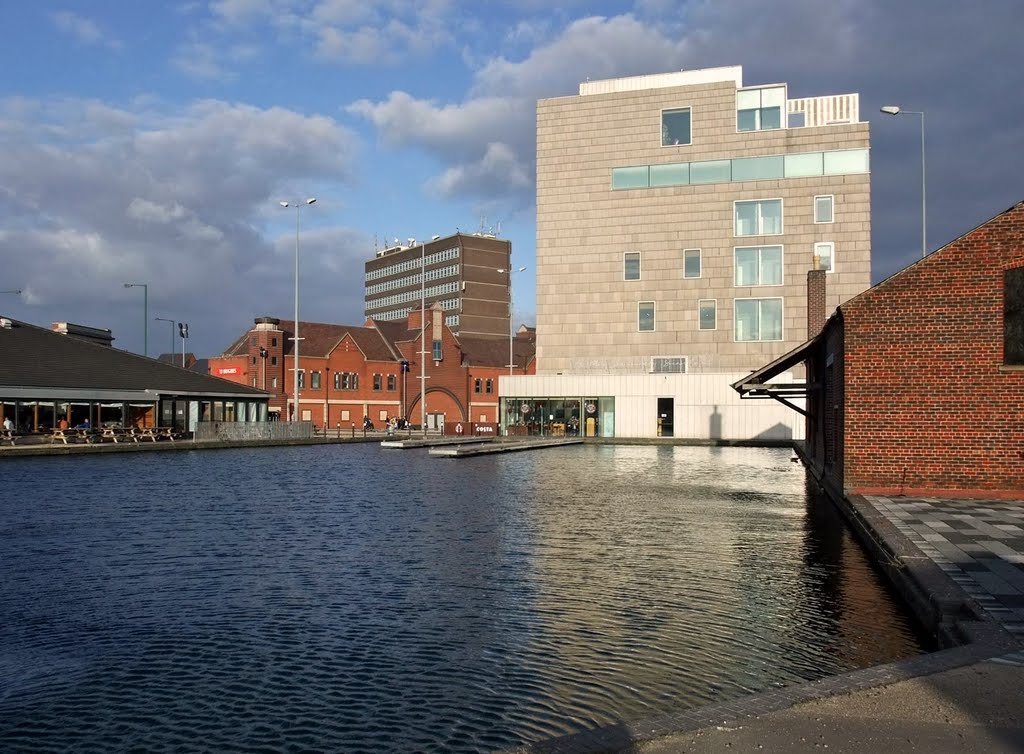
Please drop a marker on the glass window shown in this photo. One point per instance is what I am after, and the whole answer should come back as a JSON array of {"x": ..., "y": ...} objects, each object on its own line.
[
  {"x": 630, "y": 178},
  {"x": 823, "y": 209},
  {"x": 675, "y": 127},
  {"x": 273, "y": 382},
  {"x": 677, "y": 174},
  {"x": 437, "y": 350},
  {"x": 708, "y": 311},
  {"x": 378, "y": 381},
  {"x": 477, "y": 385},
  {"x": 691, "y": 263},
  {"x": 797, "y": 120},
  {"x": 314, "y": 380},
  {"x": 758, "y": 265},
  {"x": 711, "y": 171},
  {"x": 1013, "y": 316},
  {"x": 804, "y": 165},
  {"x": 490, "y": 386},
  {"x": 760, "y": 109},
  {"x": 273, "y": 361},
  {"x": 631, "y": 265},
  {"x": 392, "y": 382},
  {"x": 668, "y": 365},
  {"x": 758, "y": 168},
  {"x": 758, "y": 319},
  {"x": 824, "y": 256},
  {"x": 645, "y": 316},
  {"x": 846, "y": 162},
  {"x": 273, "y": 342},
  {"x": 302, "y": 379},
  {"x": 759, "y": 218},
  {"x": 337, "y": 380}
]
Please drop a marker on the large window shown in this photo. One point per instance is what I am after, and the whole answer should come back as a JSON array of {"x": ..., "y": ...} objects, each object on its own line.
[
  {"x": 824, "y": 256},
  {"x": 760, "y": 109},
  {"x": 758, "y": 265},
  {"x": 675, "y": 127},
  {"x": 645, "y": 316},
  {"x": 1013, "y": 317},
  {"x": 758, "y": 319},
  {"x": 759, "y": 218},
  {"x": 708, "y": 314},
  {"x": 823, "y": 209},
  {"x": 314, "y": 380},
  {"x": 691, "y": 263},
  {"x": 631, "y": 265}
]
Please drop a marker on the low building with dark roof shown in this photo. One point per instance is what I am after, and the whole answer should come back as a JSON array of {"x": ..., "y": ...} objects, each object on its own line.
[
  {"x": 348, "y": 373},
  {"x": 49, "y": 375}
]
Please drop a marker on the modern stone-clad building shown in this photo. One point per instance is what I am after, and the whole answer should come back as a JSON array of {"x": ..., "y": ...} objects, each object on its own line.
[
  {"x": 468, "y": 274},
  {"x": 677, "y": 217}
]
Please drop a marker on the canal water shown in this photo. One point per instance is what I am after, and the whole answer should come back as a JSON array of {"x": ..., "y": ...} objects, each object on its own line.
[{"x": 349, "y": 598}]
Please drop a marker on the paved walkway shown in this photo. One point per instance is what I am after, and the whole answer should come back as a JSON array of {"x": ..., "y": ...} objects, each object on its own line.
[{"x": 969, "y": 698}]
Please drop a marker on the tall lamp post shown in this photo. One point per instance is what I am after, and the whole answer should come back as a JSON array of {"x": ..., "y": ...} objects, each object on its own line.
[
  {"x": 183, "y": 332},
  {"x": 145, "y": 314},
  {"x": 263, "y": 358},
  {"x": 171, "y": 323},
  {"x": 295, "y": 335},
  {"x": 896, "y": 110},
  {"x": 423, "y": 338},
  {"x": 327, "y": 399},
  {"x": 511, "y": 330}
]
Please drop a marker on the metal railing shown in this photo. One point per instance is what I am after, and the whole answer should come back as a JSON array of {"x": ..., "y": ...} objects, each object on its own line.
[{"x": 254, "y": 431}]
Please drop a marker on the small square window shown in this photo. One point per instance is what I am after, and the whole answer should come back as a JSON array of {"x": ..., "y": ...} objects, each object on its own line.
[
  {"x": 824, "y": 256},
  {"x": 631, "y": 265},
  {"x": 708, "y": 314},
  {"x": 691, "y": 263},
  {"x": 675, "y": 127},
  {"x": 823, "y": 209},
  {"x": 645, "y": 316}
]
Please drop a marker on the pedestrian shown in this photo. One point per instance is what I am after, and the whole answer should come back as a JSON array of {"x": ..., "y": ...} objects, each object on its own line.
[{"x": 8, "y": 424}]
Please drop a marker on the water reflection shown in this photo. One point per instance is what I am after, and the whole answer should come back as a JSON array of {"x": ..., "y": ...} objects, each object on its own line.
[{"x": 351, "y": 599}]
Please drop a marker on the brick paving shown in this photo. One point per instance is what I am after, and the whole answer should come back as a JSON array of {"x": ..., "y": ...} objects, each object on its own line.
[{"x": 978, "y": 544}]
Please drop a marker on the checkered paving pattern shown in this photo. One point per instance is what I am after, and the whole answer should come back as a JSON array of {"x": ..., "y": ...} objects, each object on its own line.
[{"x": 979, "y": 544}]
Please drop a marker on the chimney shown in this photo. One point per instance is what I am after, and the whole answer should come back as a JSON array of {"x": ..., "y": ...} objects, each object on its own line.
[{"x": 815, "y": 302}]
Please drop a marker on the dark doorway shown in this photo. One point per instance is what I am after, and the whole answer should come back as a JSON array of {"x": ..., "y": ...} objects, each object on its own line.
[{"x": 665, "y": 416}]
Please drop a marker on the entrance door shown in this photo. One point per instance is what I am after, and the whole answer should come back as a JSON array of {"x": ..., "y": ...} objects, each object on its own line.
[{"x": 666, "y": 407}]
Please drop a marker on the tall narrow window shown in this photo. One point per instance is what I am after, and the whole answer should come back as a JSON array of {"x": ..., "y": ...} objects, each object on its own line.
[
  {"x": 823, "y": 209},
  {"x": 675, "y": 127},
  {"x": 392, "y": 382},
  {"x": 314, "y": 380},
  {"x": 824, "y": 256},
  {"x": 708, "y": 314},
  {"x": 631, "y": 265},
  {"x": 477, "y": 385},
  {"x": 759, "y": 218},
  {"x": 437, "y": 350},
  {"x": 337, "y": 380},
  {"x": 378, "y": 381},
  {"x": 1013, "y": 317},
  {"x": 302, "y": 379},
  {"x": 490, "y": 386},
  {"x": 645, "y": 316},
  {"x": 758, "y": 265},
  {"x": 691, "y": 263}
]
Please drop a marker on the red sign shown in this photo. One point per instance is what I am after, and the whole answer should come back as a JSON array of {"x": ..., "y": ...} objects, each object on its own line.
[{"x": 227, "y": 370}]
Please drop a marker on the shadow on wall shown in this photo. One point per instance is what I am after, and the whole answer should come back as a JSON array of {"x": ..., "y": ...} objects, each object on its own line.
[
  {"x": 777, "y": 432},
  {"x": 715, "y": 425}
]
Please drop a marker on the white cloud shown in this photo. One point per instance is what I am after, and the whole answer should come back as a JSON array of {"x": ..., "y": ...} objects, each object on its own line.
[{"x": 83, "y": 29}]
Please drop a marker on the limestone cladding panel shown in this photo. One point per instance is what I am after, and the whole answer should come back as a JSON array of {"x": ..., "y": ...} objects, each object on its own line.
[{"x": 585, "y": 309}]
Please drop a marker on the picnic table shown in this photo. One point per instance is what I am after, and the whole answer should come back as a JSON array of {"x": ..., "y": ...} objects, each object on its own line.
[
  {"x": 9, "y": 435},
  {"x": 72, "y": 434}
]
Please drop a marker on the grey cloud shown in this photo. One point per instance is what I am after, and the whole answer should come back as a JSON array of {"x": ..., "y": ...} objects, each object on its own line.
[{"x": 179, "y": 202}]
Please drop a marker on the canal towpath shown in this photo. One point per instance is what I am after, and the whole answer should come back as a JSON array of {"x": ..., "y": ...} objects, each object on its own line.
[{"x": 961, "y": 564}]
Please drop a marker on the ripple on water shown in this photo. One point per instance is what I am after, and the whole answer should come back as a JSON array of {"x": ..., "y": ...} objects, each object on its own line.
[{"x": 343, "y": 598}]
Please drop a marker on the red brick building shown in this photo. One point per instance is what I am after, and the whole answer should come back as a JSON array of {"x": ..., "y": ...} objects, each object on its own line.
[
  {"x": 916, "y": 386},
  {"x": 350, "y": 372}
]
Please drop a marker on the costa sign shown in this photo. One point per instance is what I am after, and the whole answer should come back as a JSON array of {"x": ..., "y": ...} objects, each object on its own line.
[{"x": 227, "y": 370}]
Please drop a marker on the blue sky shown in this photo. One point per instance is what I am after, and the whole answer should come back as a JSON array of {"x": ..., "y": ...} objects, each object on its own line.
[{"x": 151, "y": 141}]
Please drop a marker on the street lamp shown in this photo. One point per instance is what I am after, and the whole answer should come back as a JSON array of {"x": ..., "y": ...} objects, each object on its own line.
[
  {"x": 511, "y": 331},
  {"x": 145, "y": 314},
  {"x": 295, "y": 334},
  {"x": 263, "y": 357},
  {"x": 896, "y": 110},
  {"x": 171, "y": 323},
  {"x": 183, "y": 332},
  {"x": 423, "y": 338}
]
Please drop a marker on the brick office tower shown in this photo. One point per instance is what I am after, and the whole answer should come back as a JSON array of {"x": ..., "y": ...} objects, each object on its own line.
[
  {"x": 677, "y": 217},
  {"x": 468, "y": 274}
]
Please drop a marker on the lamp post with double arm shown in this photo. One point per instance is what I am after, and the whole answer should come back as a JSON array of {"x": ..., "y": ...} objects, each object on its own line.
[{"x": 511, "y": 330}]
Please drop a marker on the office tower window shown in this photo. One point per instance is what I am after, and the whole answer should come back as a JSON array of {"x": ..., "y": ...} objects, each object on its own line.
[
  {"x": 758, "y": 319},
  {"x": 675, "y": 127},
  {"x": 645, "y": 316},
  {"x": 758, "y": 265},
  {"x": 759, "y": 218}
]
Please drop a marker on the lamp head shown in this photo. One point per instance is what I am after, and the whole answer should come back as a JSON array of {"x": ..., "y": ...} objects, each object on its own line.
[
  {"x": 890, "y": 110},
  {"x": 311, "y": 200},
  {"x": 284, "y": 204}
]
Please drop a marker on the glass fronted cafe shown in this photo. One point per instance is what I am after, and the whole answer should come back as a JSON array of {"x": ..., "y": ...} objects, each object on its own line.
[{"x": 559, "y": 417}]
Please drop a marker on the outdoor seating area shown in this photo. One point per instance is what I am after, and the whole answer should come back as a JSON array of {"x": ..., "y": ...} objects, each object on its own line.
[{"x": 113, "y": 434}]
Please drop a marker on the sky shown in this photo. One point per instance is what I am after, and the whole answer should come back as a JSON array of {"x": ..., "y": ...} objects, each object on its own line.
[{"x": 151, "y": 142}]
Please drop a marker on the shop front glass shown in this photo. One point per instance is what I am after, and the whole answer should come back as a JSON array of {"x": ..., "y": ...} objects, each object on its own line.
[{"x": 559, "y": 417}]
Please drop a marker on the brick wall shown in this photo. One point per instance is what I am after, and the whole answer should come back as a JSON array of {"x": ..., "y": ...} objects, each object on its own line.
[{"x": 929, "y": 406}]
